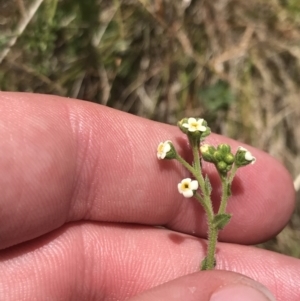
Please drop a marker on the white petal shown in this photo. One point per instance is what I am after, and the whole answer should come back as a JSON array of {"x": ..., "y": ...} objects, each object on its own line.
[
  {"x": 188, "y": 193},
  {"x": 192, "y": 120},
  {"x": 160, "y": 151},
  {"x": 167, "y": 147},
  {"x": 202, "y": 128},
  {"x": 163, "y": 148},
  {"x": 248, "y": 156},
  {"x": 194, "y": 185}
]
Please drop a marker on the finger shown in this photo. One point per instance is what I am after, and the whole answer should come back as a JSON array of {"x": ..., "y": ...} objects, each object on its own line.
[
  {"x": 64, "y": 160},
  {"x": 109, "y": 262},
  {"x": 208, "y": 286}
]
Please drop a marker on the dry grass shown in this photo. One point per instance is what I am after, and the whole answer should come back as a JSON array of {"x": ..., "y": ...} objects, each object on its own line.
[{"x": 235, "y": 62}]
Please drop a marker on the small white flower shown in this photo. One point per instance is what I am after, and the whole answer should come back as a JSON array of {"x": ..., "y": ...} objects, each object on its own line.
[
  {"x": 194, "y": 125},
  {"x": 187, "y": 187},
  {"x": 248, "y": 155},
  {"x": 162, "y": 149}
]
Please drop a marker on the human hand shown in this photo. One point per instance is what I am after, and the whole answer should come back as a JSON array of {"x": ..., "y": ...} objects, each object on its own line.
[{"x": 82, "y": 191}]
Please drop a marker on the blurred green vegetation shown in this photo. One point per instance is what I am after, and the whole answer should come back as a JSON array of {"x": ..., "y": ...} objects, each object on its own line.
[{"x": 234, "y": 62}]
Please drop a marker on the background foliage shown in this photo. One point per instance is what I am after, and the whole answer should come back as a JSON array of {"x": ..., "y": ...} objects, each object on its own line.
[{"x": 234, "y": 62}]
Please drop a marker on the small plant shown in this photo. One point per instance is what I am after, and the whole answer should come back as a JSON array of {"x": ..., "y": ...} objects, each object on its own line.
[{"x": 226, "y": 164}]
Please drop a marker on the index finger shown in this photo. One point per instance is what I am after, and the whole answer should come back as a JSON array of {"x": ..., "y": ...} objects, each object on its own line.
[{"x": 63, "y": 160}]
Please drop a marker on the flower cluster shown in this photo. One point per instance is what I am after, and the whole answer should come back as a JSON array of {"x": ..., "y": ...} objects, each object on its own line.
[
  {"x": 221, "y": 156},
  {"x": 224, "y": 159},
  {"x": 200, "y": 187}
]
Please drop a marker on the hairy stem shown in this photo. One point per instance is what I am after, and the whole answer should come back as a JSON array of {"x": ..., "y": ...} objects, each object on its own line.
[
  {"x": 212, "y": 243},
  {"x": 225, "y": 195},
  {"x": 206, "y": 203}
]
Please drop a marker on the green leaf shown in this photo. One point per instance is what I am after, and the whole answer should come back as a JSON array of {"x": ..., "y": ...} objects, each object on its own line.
[{"x": 221, "y": 220}]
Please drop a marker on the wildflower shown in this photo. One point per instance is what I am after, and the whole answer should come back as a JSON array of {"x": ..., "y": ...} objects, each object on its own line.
[
  {"x": 166, "y": 150},
  {"x": 244, "y": 157},
  {"x": 194, "y": 125},
  {"x": 187, "y": 187}
]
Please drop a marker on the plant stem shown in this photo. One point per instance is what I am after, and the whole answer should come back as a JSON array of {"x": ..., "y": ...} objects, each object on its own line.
[
  {"x": 186, "y": 165},
  {"x": 232, "y": 173},
  {"x": 212, "y": 230},
  {"x": 206, "y": 203},
  {"x": 225, "y": 194},
  {"x": 212, "y": 243},
  {"x": 226, "y": 189},
  {"x": 196, "y": 158},
  {"x": 196, "y": 172}
]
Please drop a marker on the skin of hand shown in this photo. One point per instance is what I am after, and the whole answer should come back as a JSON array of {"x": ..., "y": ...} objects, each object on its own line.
[{"x": 83, "y": 196}]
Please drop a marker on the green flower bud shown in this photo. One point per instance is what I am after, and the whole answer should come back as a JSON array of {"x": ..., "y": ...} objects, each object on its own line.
[
  {"x": 222, "y": 166},
  {"x": 229, "y": 166},
  {"x": 243, "y": 157},
  {"x": 218, "y": 156},
  {"x": 229, "y": 158},
  {"x": 224, "y": 148},
  {"x": 171, "y": 154},
  {"x": 207, "y": 152}
]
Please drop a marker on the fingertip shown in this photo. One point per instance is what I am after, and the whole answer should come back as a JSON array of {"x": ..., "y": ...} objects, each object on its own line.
[
  {"x": 269, "y": 197},
  {"x": 208, "y": 286}
]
